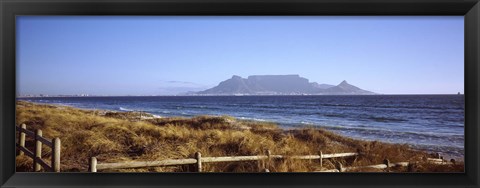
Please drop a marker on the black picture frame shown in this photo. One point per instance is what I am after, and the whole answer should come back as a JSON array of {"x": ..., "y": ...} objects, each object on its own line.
[{"x": 9, "y": 9}]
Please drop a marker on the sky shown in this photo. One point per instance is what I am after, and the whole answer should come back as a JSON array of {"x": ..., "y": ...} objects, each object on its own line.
[{"x": 167, "y": 55}]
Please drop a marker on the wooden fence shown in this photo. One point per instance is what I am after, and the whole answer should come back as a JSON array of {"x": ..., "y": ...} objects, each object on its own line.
[
  {"x": 199, "y": 160},
  {"x": 36, "y": 155}
]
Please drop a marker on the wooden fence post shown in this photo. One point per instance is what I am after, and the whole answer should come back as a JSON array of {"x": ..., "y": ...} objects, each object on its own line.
[
  {"x": 321, "y": 160},
  {"x": 38, "y": 150},
  {"x": 268, "y": 153},
  {"x": 198, "y": 157},
  {"x": 22, "y": 139},
  {"x": 411, "y": 167},
  {"x": 339, "y": 166},
  {"x": 56, "y": 154},
  {"x": 387, "y": 162},
  {"x": 92, "y": 165}
]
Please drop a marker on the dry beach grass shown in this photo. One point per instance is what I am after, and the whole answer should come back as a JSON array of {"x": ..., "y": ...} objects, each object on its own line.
[{"x": 122, "y": 136}]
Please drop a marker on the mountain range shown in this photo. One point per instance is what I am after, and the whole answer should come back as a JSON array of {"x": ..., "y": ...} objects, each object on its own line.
[{"x": 280, "y": 85}]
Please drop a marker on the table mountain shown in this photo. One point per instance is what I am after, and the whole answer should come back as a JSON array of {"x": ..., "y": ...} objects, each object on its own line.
[{"x": 280, "y": 85}]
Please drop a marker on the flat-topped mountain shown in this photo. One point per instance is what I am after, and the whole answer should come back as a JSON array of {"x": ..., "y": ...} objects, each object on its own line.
[{"x": 280, "y": 85}]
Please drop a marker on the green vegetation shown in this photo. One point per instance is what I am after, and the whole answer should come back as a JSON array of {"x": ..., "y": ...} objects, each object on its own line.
[{"x": 123, "y": 136}]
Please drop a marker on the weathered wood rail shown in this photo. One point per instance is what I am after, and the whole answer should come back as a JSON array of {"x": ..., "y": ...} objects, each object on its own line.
[
  {"x": 199, "y": 160},
  {"x": 386, "y": 164},
  {"x": 38, "y": 162}
]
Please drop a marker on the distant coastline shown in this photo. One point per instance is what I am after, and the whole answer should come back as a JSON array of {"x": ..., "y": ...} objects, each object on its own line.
[{"x": 190, "y": 95}]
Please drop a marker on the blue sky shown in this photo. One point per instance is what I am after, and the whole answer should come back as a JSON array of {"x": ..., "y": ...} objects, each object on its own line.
[{"x": 164, "y": 55}]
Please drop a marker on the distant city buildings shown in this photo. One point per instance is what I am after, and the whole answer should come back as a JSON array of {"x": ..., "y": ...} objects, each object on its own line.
[{"x": 44, "y": 95}]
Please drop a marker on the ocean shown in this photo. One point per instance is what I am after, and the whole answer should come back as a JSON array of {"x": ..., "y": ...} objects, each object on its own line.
[{"x": 429, "y": 122}]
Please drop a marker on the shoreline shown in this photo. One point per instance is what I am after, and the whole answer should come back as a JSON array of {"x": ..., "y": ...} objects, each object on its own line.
[
  {"x": 286, "y": 127},
  {"x": 123, "y": 137}
]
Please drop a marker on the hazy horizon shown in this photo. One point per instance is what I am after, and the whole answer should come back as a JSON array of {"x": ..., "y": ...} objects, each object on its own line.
[{"x": 168, "y": 55}]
